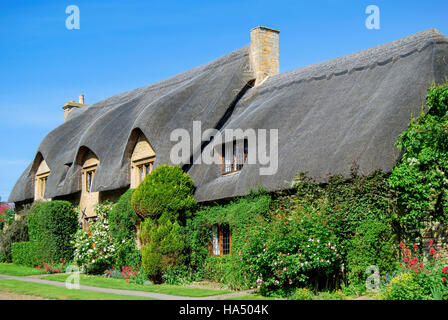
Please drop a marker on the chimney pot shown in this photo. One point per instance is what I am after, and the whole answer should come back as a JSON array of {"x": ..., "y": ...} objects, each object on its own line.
[{"x": 81, "y": 99}]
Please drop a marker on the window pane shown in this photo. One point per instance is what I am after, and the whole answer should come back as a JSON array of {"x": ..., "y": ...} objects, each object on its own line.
[
  {"x": 239, "y": 154},
  {"x": 140, "y": 174},
  {"x": 148, "y": 169},
  {"x": 215, "y": 243},
  {"x": 225, "y": 231},
  {"x": 228, "y": 160},
  {"x": 246, "y": 150},
  {"x": 89, "y": 180}
]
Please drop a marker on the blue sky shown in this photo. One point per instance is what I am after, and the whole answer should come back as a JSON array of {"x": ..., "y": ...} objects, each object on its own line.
[{"x": 122, "y": 45}]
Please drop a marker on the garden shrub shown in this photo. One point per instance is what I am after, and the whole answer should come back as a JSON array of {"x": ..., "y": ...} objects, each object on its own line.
[
  {"x": 179, "y": 275},
  {"x": 16, "y": 232},
  {"x": 24, "y": 253},
  {"x": 122, "y": 222},
  {"x": 302, "y": 294},
  {"x": 126, "y": 254},
  {"x": 123, "y": 219},
  {"x": 403, "y": 287},
  {"x": 51, "y": 226},
  {"x": 290, "y": 251},
  {"x": 420, "y": 179},
  {"x": 94, "y": 250},
  {"x": 162, "y": 246},
  {"x": 373, "y": 244},
  {"x": 166, "y": 190}
]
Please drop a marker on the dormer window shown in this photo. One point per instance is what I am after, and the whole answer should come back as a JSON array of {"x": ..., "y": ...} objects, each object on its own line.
[
  {"x": 234, "y": 155},
  {"x": 89, "y": 199},
  {"x": 142, "y": 161},
  {"x": 40, "y": 181},
  {"x": 89, "y": 180}
]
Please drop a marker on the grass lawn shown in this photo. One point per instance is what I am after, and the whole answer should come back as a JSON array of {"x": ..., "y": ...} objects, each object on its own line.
[
  {"x": 103, "y": 282},
  {"x": 18, "y": 270},
  {"x": 53, "y": 292}
]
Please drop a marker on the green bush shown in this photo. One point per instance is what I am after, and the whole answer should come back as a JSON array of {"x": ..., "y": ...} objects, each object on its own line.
[
  {"x": 24, "y": 253},
  {"x": 179, "y": 275},
  {"x": 302, "y": 294},
  {"x": 166, "y": 190},
  {"x": 126, "y": 254},
  {"x": 403, "y": 287},
  {"x": 16, "y": 232},
  {"x": 420, "y": 178},
  {"x": 123, "y": 219},
  {"x": 289, "y": 251},
  {"x": 373, "y": 244},
  {"x": 51, "y": 227},
  {"x": 162, "y": 247}
]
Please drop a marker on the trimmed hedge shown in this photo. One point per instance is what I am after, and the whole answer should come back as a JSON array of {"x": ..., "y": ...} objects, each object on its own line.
[
  {"x": 17, "y": 231},
  {"x": 51, "y": 227},
  {"x": 23, "y": 253}
]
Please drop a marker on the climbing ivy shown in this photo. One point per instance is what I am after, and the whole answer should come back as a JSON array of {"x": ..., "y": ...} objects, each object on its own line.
[{"x": 420, "y": 179}]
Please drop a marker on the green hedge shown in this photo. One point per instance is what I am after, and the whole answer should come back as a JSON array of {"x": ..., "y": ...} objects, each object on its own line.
[
  {"x": 51, "y": 227},
  {"x": 16, "y": 232},
  {"x": 23, "y": 253}
]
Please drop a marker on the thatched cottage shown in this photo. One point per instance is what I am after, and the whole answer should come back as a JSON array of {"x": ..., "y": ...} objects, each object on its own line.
[{"x": 329, "y": 116}]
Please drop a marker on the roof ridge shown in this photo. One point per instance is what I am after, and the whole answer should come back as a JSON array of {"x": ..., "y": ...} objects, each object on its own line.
[{"x": 360, "y": 60}]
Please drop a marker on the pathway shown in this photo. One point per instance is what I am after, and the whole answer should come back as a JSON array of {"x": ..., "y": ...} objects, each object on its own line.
[{"x": 154, "y": 295}]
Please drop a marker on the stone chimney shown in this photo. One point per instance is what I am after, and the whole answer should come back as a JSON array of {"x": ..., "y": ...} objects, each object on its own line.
[
  {"x": 72, "y": 104},
  {"x": 264, "y": 52}
]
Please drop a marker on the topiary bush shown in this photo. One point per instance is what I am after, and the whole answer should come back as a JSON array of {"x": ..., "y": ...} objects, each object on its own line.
[
  {"x": 51, "y": 227},
  {"x": 166, "y": 190},
  {"x": 162, "y": 246}
]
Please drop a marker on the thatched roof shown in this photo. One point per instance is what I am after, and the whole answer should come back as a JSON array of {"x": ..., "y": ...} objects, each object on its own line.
[{"x": 330, "y": 116}]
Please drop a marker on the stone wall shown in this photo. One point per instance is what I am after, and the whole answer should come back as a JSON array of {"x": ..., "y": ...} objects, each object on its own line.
[{"x": 438, "y": 232}]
